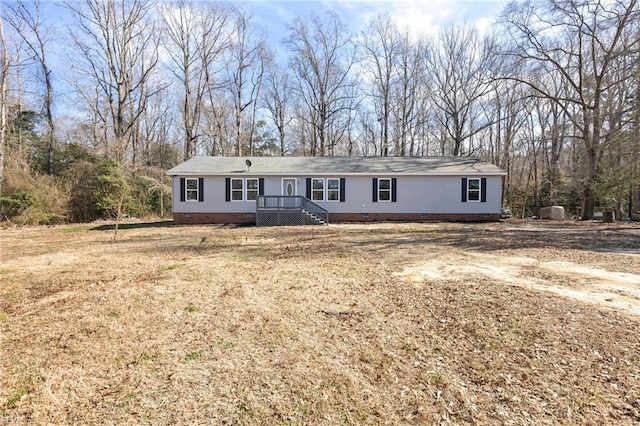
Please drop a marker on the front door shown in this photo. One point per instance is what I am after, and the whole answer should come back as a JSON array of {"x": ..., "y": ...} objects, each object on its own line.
[{"x": 289, "y": 187}]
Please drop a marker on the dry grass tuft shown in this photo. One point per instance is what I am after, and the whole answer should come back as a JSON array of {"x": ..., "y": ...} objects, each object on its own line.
[{"x": 322, "y": 325}]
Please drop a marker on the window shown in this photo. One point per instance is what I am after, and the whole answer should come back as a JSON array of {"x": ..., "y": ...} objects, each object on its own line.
[
  {"x": 384, "y": 189},
  {"x": 252, "y": 189},
  {"x": 329, "y": 189},
  {"x": 333, "y": 189},
  {"x": 248, "y": 189},
  {"x": 191, "y": 189},
  {"x": 473, "y": 189},
  {"x": 317, "y": 189},
  {"x": 236, "y": 190},
  {"x": 290, "y": 188}
]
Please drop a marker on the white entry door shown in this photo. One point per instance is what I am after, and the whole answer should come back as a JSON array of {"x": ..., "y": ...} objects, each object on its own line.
[{"x": 289, "y": 186}]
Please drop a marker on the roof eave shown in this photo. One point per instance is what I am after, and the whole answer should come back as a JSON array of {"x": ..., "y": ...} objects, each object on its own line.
[{"x": 236, "y": 173}]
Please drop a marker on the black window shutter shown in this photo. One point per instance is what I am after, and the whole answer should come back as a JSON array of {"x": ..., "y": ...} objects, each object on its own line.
[
  {"x": 483, "y": 190},
  {"x": 464, "y": 190},
  {"x": 309, "y": 188},
  {"x": 261, "y": 186},
  {"x": 342, "y": 189},
  {"x": 200, "y": 189},
  {"x": 394, "y": 186},
  {"x": 182, "y": 188},
  {"x": 227, "y": 189},
  {"x": 375, "y": 190}
]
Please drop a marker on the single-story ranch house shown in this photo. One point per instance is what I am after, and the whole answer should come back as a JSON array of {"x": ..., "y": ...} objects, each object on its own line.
[{"x": 314, "y": 190}]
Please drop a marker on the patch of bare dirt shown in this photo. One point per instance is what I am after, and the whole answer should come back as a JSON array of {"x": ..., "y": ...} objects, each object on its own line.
[
  {"x": 619, "y": 290},
  {"x": 504, "y": 323}
]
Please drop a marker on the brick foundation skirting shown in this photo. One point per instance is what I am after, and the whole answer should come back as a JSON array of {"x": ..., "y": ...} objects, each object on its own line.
[
  {"x": 413, "y": 217},
  {"x": 250, "y": 218},
  {"x": 205, "y": 218}
]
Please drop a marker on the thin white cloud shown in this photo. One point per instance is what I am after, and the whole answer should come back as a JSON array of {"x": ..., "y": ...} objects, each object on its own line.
[
  {"x": 418, "y": 16},
  {"x": 427, "y": 17}
]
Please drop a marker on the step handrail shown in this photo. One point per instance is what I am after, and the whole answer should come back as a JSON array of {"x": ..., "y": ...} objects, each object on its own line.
[{"x": 291, "y": 202}]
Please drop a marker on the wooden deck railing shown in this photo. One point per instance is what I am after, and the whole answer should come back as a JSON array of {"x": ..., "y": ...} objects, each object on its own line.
[{"x": 289, "y": 210}]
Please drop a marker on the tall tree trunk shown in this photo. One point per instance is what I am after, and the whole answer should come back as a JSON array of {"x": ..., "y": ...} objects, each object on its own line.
[
  {"x": 582, "y": 59},
  {"x": 26, "y": 20},
  {"x": 4, "y": 71},
  {"x": 118, "y": 50},
  {"x": 48, "y": 103}
]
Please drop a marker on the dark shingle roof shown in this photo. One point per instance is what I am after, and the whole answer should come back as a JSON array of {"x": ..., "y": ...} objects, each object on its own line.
[{"x": 335, "y": 166}]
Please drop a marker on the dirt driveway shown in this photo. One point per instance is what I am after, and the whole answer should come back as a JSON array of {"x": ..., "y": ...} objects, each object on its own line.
[
  {"x": 566, "y": 278},
  {"x": 587, "y": 261}
]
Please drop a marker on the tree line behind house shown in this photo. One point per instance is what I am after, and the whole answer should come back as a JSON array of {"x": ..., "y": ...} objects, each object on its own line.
[{"x": 549, "y": 93}]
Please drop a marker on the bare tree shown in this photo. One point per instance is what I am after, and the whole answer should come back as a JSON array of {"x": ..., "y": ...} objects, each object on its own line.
[
  {"x": 505, "y": 109},
  {"x": 95, "y": 128},
  {"x": 277, "y": 101},
  {"x": 634, "y": 149},
  {"x": 4, "y": 73},
  {"x": 409, "y": 94},
  {"x": 26, "y": 19},
  {"x": 460, "y": 65},
  {"x": 580, "y": 43},
  {"x": 532, "y": 147},
  {"x": 151, "y": 131},
  {"x": 197, "y": 37},
  {"x": 323, "y": 56},
  {"x": 218, "y": 125},
  {"x": 245, "y": 70},
  {"x": 380, "y": 50},
  {"x": 117, "y": 47}
]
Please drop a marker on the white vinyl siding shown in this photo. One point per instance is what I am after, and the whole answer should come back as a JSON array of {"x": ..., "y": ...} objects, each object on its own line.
[{"x": 416, "y": 194}]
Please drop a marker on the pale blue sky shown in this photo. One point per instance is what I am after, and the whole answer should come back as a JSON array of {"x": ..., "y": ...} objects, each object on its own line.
[
  {"x": 420, "y": 16},
  {"x": 273, "y": 17}
]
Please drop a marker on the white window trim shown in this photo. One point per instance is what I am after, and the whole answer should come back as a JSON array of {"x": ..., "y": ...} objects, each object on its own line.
[
  {"x": 390, "y": 190},
  {"x": 247, "y": 190},
  {"x": 237, "y": 190},
  {"x": 325, "y": 190},
  {"x": 187, "y": 190},
  {"x": 324, "y": 195},
  {"x": 479, "y": 190},
  {"x": 337, "y": 200}
]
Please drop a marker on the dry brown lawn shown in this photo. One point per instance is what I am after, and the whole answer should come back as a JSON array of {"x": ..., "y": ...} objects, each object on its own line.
[{"x": 514, "y": 323}]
